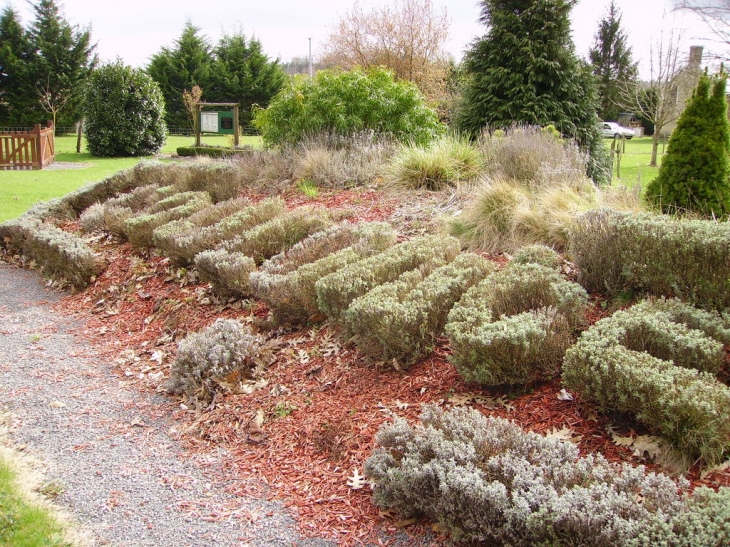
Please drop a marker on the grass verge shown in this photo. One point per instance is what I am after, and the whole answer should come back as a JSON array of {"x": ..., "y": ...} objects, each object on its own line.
[{"x": 635, "y": 162}]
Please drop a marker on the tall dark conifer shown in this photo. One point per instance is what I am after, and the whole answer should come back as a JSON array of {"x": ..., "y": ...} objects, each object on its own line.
[
  {"x": 525, "y": 71},
  {"x": 17, "y": 96}
]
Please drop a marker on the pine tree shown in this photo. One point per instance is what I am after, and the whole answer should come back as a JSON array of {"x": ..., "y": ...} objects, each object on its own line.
[
  {"x": 612, "y": 63},
  {"x": 242, "y": 73},
  {"x": 525, "y": 71},
  {"x": 695, "y": 172},
  {"x": 181, "y": 67},
  {"x": 17, "y": 97}
]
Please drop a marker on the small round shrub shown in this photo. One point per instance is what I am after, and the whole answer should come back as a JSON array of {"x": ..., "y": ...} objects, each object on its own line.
[
  {"x": 124, "y": 112},
  {"x": 538, "y": 254}
]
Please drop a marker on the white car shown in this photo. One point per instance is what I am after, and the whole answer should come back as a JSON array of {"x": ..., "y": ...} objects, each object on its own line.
[{"x": 612, "y": 130}]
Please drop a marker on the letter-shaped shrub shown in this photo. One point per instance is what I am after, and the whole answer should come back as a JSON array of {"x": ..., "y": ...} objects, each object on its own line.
[
  {"x": 139, "y": 229},
  {"x": 184, "y": 246},
  {"x": 657, "y": 361},
  {"x": 227, "y": 271},
  {"x": 401, "y": 320},
  {"x": 488, "y": 482},
  {"x": 337, "y": 290},
  {"x": 514, "y": 326}
]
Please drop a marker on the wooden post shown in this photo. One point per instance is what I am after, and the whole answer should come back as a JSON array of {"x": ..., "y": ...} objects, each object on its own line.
[
  {"x": 197, "y": 125},
  {"x": 38, "y": 146},
  {"x": 79, "y": 131},
  {"x": 235, "y": 125}
]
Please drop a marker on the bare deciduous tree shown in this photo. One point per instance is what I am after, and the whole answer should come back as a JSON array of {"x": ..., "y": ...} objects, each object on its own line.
[
  {"x": 407, "y": 37},
  {"x": 660, "y": 99},
  {"x": 714, "y": 13}
]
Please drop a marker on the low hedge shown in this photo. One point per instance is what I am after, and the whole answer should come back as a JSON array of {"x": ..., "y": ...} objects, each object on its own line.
[
  {"x": 227, "y": 271},
  {"x": 657, "y": 361},
  {"x": 402, "y": 319},
  {"x": 212, "y": 151}
]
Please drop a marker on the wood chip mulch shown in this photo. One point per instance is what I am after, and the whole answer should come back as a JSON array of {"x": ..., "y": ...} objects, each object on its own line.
[{"x": 323, "y": 402}]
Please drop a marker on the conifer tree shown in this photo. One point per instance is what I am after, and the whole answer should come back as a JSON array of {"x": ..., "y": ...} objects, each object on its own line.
[
  {"x": 695, "y": 172},
  {"x": 16, "y": 52},
  {"x": 525, "y": 71}
]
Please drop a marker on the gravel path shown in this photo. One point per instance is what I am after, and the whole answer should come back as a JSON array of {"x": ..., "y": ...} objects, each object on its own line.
[{"x": 125, "y": 478}]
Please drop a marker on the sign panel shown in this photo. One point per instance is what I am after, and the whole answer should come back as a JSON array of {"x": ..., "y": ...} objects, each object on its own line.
[
  {"x": 225, "y": 123},
  {"x": 209, "y": 122}
]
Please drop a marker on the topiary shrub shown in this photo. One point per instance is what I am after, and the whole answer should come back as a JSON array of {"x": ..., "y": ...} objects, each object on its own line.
[
  {"x": 695, "y": 172},
  {"x": 401, "y": 320},
  {"x": 336, "y": 291},
  {"x": 225, "y": 351},
  {"x": 227, "y": 271},
  {"x": 486, "y": 481},
  {"x": 124, "y": 112},
  {"x": 657, "y": 361},
  {"x": 212, "y": 151},
  {"x": 346, "y": 102},
  {"x": 514, "y": 327}
]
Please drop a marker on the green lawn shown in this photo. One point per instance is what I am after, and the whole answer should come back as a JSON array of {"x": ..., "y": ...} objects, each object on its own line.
[
  {"x": 19, "y": 190},
  {"x": 635, "y": 162}
]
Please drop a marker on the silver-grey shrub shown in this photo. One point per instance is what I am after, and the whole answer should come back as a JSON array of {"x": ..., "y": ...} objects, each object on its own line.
[
  {"x": 538, "y": 254},
  {"x": 337, "y": 290},
  {"x": 653, "y": 254},
  {"x": 139, "y": 228},
  {"x": 515, "y": 325},
  {"x": 227, "y": 271},
  {"x": 644, "y": 361},
  {"x": 401, "y": 320},
  {"x": 485, "y": 480},
  {"x": 214, "y": 354}
]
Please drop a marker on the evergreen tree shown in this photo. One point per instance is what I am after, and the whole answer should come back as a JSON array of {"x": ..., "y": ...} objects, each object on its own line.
[
  {"x": 695, "y": 172},
  {"x": 612, "y": 63},
  {"x": 187, "y": 64},
  {"x": 16, "y": 53},
  {"x": 242, "y": 73},
  {"x": 525, "y": 71},
  {"x": 64, "y": 58}
]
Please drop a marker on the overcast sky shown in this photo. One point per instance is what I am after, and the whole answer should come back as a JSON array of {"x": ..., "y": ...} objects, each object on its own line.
[{"x": 136, "y": 29}]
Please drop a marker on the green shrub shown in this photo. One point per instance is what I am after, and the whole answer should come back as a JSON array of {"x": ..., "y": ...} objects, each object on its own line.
[
  {"x": 346, "y": 102},
  {"x": 222, "y": 180},
  {"x": 224, "y": 349},
  {"x": 287, "y": 282},
  {"x": 633, "y": 362},
  {"x": 336, "y": 291},
  {"x": 620, "y": 253},
  {"x": 538, "y": 254},
  {"x": 695, "y": 172},
  {"x": 437, "y": 165},
  {"x": 227, "y": 271},
  {"x": 211, "y": 151},
  {"x": 486, "y": 481},
  {"x": 401, "y": 320},
  {"x": 183, "y": 247},
  {"x": 123, "y": 112},
  {"x": 514, "y": 326},
  {"x": 279, "y": 234},
  {"x": 139, "y": 229}
]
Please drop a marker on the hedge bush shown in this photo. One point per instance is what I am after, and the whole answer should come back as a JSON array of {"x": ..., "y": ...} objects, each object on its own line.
[
  {"x": 486, "y": 481},
  {"x": 227, "y": 271},
  {"x": 634, "y": 362},
  {"x": 402, "y": 319},
  {"x": 212, "y": 151},
  {"x": 337, "y": 290},
  {"x": 538, "y": 254},
  {"x": 621, "y": 253},
  {"x": 514, "y": 326}
]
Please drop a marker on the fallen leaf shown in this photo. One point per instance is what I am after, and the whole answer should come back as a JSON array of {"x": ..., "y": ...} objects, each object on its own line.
[
  {"x": 356, "y": 481},
  {"x": 56, "y": 404},
  {"x": 565, "y": 395},
  {"x": 401, "y": 405},
  {"x": 564, "y": 434}
]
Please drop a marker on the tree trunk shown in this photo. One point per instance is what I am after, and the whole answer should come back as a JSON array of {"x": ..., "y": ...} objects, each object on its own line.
[{"x": 654, "y": 147}]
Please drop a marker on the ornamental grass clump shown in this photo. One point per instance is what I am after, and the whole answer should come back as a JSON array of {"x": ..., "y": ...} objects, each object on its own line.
[
  {"x": 513, "y": 327},
  {"x": 290, "y": 292},
  {"x": 225, "y": 351},
  {"x": 657, "y": 361},
  {"x": 401, "y": 320},
  {"x": 619, "y": 253},
  {"x": 336, "y": 291},
  {"x": 139, "y": 229},
  {"x": 183, "y": 247},
  {"x": 484, "y": 480}
]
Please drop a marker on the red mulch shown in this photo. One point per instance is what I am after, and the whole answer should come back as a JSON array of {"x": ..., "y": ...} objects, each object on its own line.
[{"x": 323, "y": 403}]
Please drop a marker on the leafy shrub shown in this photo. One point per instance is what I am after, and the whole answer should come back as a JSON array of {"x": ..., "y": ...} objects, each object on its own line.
[
  {"x": 486, "y": 481},
  {"x": 437, "y": 165},
  {"x": 538, "y": 254},
  {"x": 227, "y": 271},
  {"x": 336, "y": 291},
  {"x": 124, "y": 112},
  {"x": 620, "y": 253},
  {"x": 695, "y": 172},
  {"x": 224, "y": 351},
  {"x": 211, "y": 151},
  {"x": 344, "y": 102},
  {"x": 514, "y": 326},
  {"x": 632, "y": 362},
  {"x": 222, "y": 180},
  {"x": 400, "y": 320},
  {"x": 183, "y": 246},
  {"x": 139, "y": 229},
  {"x": 279, "y": 234},
  {"x": 287, "y": 282}
]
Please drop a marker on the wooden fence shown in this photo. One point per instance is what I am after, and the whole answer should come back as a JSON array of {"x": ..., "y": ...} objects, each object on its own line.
[{"x": 33, "y": 149}]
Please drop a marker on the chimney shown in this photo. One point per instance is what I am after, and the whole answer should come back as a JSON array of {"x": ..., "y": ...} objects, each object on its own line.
[{"x": 695, "y": 56}]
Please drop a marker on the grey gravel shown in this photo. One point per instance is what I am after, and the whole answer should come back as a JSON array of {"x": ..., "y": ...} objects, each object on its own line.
[{"x": 125, "y": 479}]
